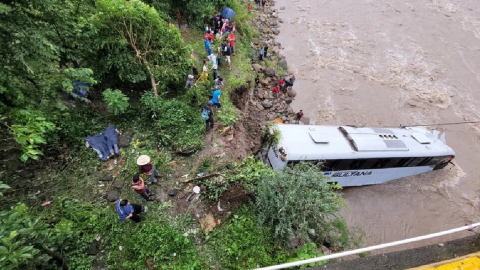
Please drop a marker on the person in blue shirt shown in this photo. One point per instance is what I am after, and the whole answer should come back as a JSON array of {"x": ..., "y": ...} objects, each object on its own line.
[
  {"x": 207, "y": 44},
  {"x": 126, "y": 210},
  {"x": 216, "y": 98}
]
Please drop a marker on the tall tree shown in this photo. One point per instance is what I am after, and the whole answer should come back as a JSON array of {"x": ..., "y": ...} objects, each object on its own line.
[{"x": 156, "y": 48}]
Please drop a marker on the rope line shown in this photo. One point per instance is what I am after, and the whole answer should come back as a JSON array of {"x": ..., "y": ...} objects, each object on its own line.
[{"x": 443, "y": 124}]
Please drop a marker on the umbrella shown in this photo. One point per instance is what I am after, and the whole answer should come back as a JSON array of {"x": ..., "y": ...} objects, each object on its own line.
[{"x": 227, "y": 13}]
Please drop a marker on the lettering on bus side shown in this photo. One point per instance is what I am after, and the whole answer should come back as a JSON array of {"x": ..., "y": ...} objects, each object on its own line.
[
  {"x": 349, "y": 174},
  {"x": 275, "y": 152}
]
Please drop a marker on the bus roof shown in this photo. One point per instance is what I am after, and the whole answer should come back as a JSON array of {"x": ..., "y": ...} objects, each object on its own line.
[{"x": 314, "y": 142}]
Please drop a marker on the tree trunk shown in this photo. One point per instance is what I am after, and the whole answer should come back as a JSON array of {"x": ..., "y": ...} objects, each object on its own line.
[
  {"x": 179, "y": 18},
  {"x": 152, "y": 80}
]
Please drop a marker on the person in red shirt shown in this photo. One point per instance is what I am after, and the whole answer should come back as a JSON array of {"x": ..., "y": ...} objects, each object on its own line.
[
  {"x": 138, "y": 185},
  {"x": 231, "y": 39},
  {"x": 249, "y": 7},
  {"x": 210, "y": 36},
  {"x": 276, "y": 90},
  {"x": 145, "y": 166},
  {"x": 281, "y": 84},
  {"x": 298, "y": 116}
]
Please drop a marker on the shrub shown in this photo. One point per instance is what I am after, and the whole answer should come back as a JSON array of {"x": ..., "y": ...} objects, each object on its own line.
[
  {"x": 117, "y": 102},
  {"x": 30, "y": 130},
  {"x": 176, "y": 124},
  {"x": 241, "y": 244},
  {"x": 162, "y": 245},
  {"x": 298, "y": 203}
]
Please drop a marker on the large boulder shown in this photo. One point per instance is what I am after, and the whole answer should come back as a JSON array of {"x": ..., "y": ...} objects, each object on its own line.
[
  {"x": 267, "y": 104},
  {"x": 118, "y": 183},
  {"x": 283, "y": 63},
  {"x": 276, "y": 31},
  {"x": 291, "y": 93},
  {"x": 288, "y": 100},
  {"x": 113, "y": 195},
  {"x": 260, "y": 92},
  {"x": 257, "y": 67},
  {"x": 124, "y": 139},
  {"x": 270, "y": 72}
]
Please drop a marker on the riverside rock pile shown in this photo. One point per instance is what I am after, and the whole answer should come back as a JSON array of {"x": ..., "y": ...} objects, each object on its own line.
[{"x": 270, "y": 70}]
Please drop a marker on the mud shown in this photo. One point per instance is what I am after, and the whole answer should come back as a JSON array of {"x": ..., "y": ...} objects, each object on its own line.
[{"x": 385, "y": 63}]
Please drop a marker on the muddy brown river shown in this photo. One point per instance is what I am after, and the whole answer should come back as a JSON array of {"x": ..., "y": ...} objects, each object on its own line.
[{"x": 385, "y": 63}]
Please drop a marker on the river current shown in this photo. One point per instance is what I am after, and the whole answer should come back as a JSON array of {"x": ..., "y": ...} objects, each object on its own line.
[{"x": 385, "y": 63}]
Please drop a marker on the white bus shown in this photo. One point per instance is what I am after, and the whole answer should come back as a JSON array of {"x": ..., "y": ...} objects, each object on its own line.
[{"x": 358, "y": 156}]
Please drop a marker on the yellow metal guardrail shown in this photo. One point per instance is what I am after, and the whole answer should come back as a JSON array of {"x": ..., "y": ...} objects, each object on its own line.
[{"x": 468, "y": 262}]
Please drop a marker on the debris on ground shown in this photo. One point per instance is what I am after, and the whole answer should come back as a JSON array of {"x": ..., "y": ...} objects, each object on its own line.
[{"x": 208, "y": 223}]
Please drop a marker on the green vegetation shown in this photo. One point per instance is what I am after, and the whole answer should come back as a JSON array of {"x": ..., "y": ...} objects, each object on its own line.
[
  {"x": 116, "y": 101},
  {"x": 134, "y": 63},
  {"x": 298, "y": 203},
  {"x": 242, "y": 244}
]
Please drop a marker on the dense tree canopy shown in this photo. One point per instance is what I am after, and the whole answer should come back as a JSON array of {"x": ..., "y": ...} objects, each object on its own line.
[{"x": 47, "y": 45}]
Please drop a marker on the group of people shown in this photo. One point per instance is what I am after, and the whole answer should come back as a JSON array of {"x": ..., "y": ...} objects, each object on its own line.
[
  {"x": 127, "y": 210},
  {"x": 222, "y": 32}
]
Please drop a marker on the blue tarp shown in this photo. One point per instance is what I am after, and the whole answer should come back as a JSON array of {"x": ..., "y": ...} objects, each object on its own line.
[
  {"x": 103, "y": 143},
  {"x": 227, "y": 13}
]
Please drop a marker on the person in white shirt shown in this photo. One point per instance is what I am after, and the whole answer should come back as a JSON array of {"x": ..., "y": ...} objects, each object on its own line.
[{"x": 213, "y": 59}]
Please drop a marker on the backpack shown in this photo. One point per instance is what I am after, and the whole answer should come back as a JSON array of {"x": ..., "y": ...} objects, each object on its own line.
[{"x": 205, "y": 114}]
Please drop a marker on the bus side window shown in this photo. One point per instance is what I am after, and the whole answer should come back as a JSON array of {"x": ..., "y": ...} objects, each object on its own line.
[
  {"x": 403, "y": 162},
  {"x": 343, "y": 165},
  {"x": 369, "y": 163},
  {"x": 329, "y": 165},
  {"x": 381, "y": 163},
  {"x": 424, "y": 161},
  {"x": 357, "y": 164},
  {"x": 435, "y": 160},
  {"x": 415, "y": 162}
]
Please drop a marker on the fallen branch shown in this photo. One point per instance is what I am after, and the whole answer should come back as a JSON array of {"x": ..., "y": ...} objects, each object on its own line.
[{"x": 201, "y": 177}]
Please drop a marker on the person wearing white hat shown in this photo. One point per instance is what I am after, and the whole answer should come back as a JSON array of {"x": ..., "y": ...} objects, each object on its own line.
[
  {"x": 145, "y": 166},
  {"x": 190, "y": 81}
]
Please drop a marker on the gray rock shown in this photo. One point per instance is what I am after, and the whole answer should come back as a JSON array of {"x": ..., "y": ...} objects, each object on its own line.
[
  {"x": 276, "y": 31},
  {"x": 260, "y": 92},
  {"x": 280, "y": 20},
  {"x": 283, "y": 63},
  {"x": 270, "y": 72},
  {"x": 282, "y": 8},
  {"x": 105, "y": 177},
  {"x": 113, "y": 195},
  {"x": 94, "y": 248},
  {"x": 265, "y": 82},
  {"x": 124, "y": 139},
  {"x": 117, "y": 184},
  {"x": 255, "y": 41},
  {"x": 257, "y": 67},
  {"x": 291, "y": 93},
  {"x": 290, "y": 110},
  {"x": 267, "y": 104},
  {"x": 288, "y": 100},
  {"x": 173, "y": 192},
  {"x": 259, "y": 106}
]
